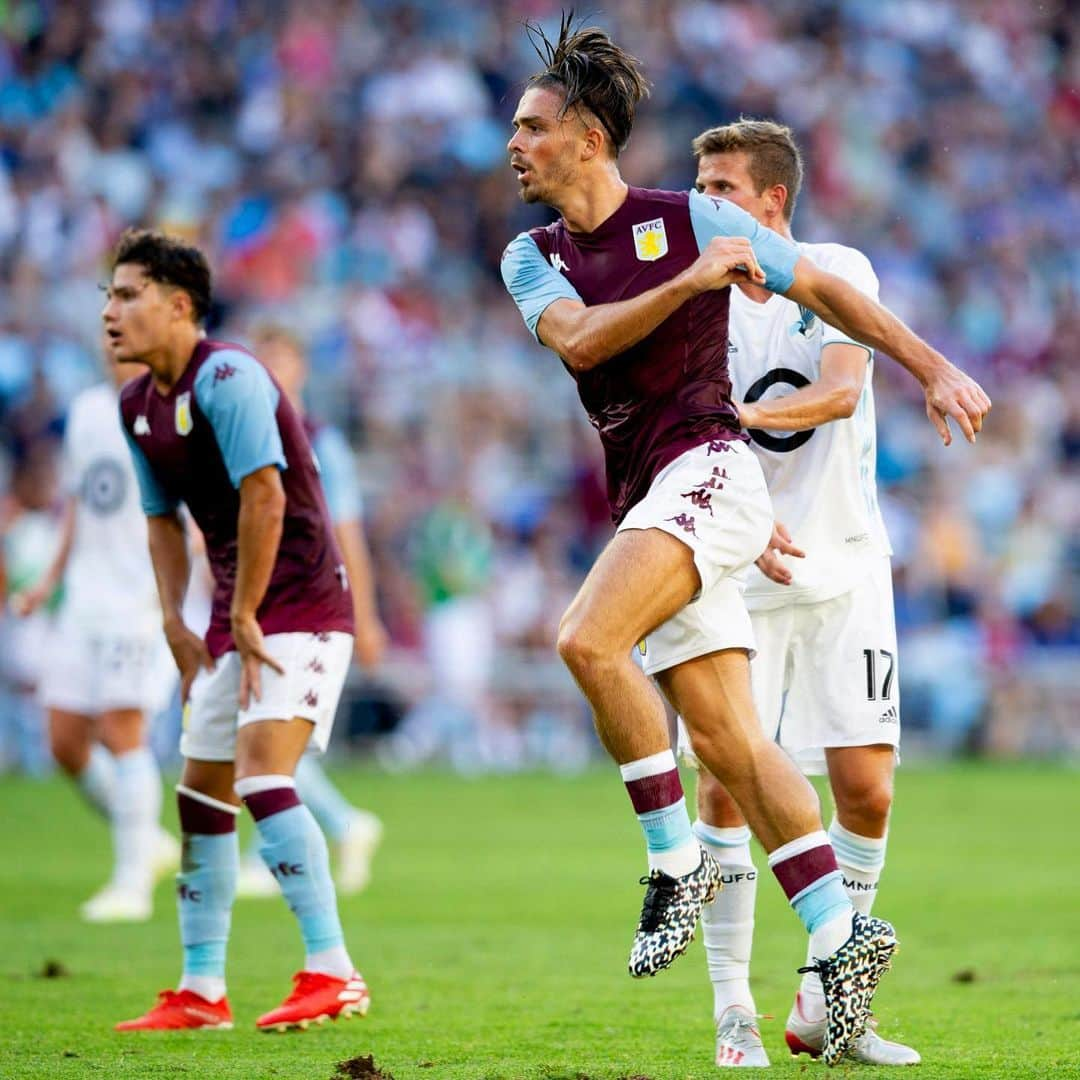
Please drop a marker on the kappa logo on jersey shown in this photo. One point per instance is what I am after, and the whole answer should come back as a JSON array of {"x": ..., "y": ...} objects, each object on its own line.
[
  {"x": 558, "y": 262},
  {"x": 142, "y": 425},
  {"x": 650, "y": 240},
  {"x": 184, "y": 421},
  {"x": 223, "y": 372}
]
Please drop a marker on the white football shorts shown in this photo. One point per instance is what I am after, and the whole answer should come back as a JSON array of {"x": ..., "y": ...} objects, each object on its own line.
[
  {"x": 91, "y": 672},
  {"x": 712, "y": 498},
  {"x": 825, "y": 674},
  {"x": 315, "y": 668}
]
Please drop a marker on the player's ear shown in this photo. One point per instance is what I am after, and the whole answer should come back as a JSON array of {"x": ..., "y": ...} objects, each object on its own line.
[
  {"x": 594, "y": 144},
  {"x": 778, "y": 194}
]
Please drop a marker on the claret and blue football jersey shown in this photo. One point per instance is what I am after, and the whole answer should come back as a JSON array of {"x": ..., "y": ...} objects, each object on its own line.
[
  {"x": 224, "y": 419},
  {"x": 671, "y": 391}
]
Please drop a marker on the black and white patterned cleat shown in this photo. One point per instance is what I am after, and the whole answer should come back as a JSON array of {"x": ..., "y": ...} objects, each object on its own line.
[
  {"x": 849, "y": 978},
  {"x": 670, "y": 914}
]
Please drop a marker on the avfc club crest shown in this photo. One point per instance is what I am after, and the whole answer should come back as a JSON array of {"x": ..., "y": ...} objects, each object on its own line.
[
  {"x": 650, "y": 240},
  {"x": 184, "y": 423}
]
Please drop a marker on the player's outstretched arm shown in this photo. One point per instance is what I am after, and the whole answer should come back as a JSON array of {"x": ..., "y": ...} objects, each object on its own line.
[
  {"x": 949, "y": 392},
  {"x": 833, "y": 395},
  {"x": 172, "y": 567}
]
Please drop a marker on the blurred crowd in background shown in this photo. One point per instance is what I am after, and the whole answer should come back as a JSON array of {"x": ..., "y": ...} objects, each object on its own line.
[{"x": 344, "y": 166}]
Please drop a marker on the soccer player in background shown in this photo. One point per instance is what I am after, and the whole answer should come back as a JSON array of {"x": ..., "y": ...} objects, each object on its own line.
[
  {"x": 209, "y": 428},
  {"x": 354, "y": 832},
  {"x": 628, "y": 288},
  {"x": 824, "y": 677},
  {"x": 108, "y": 671}
]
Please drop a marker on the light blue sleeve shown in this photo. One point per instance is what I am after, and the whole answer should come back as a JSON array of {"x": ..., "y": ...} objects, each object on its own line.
[
  {"x": 710, "y": 216},
  {"x": 532, "y": 281},
  {"x": 238, "y": 397},
  {"x": 337, "y": 468},
  {"x": 151, "y": 494}
]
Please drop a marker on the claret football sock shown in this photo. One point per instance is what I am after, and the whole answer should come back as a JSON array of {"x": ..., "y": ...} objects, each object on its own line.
[
  {"x": 807, "y": 871},
  {"x": 657, "y": 794},
  {"x": 136, "y": 811},
  {"x": 294, "y": 849},
  {"x": 96, "y": 781},
  {"x": 205, "y": 888},
  {"x": 727, "y": 922}
]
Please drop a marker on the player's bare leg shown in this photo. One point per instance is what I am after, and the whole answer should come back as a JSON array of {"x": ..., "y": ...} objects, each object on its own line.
[
  {"x": 641, "y": 579},
  {"x": 294, "y": 850}
]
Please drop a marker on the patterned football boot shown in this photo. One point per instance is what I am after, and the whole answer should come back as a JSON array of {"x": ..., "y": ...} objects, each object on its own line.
[
  {"x": 805, "y": 1036},
  {"x": 849, "y": 978},
  {"x": 670, "y": 914}
]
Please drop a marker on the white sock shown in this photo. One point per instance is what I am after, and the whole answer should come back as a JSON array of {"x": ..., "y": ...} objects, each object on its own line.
[
  {"x": 211, "y": 987},
  {"x": 136, "y": 811},
  {"x": 861, "y": 860},
  {"x": 334, "y": 961},
  {"x": 97, "y": 780},
  {"x": 727, "y": 923}
]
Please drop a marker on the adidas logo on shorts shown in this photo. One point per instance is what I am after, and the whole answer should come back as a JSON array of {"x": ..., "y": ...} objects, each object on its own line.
[{"x": 889, "y": 716}]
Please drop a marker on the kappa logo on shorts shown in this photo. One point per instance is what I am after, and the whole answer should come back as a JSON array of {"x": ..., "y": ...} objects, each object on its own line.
[
  {"x": 316, "y": 665},
  {"x": 310, "y": 699},
  {"x": 700, "y": 498},
  {"x": 718, "y": 446},
  {"x": 650, "y": 240},
  {"x": 685, "y": 522},
  {"x": 184, "y": 421}
]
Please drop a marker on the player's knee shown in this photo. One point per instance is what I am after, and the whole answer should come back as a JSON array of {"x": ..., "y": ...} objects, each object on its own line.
[
  {"x": 579, "y": 646},
  {"x": 866, "y": 805}
]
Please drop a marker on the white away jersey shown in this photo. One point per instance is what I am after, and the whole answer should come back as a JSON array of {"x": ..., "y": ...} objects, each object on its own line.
[
  {"x": 821, "y": 480},
  {"x": 109, "y": 582}
]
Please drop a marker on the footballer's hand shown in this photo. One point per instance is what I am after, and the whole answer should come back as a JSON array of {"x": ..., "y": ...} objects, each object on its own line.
[
  {"x": 190, "y": 653},
  {"x": 770, "y": 563},
  {"x": 25, "y": 603},
  {"x": 949, "y": 392},
  {"x": 248, "y": 637},
  {"x": 725, "y": 260},
  {"x": 369, "y": 645}
]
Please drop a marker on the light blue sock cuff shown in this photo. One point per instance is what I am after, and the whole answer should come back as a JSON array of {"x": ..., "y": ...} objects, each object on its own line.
[
  {"x": 825, "y": 899},
  {"x": 860, "y": 852},
  {"x": 668, "y": 828}
]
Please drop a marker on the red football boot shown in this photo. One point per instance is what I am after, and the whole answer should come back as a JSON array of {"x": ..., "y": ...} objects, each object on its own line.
[
  {"x": 180, "y": 1009},
  {"x": 315, "y": 999}
]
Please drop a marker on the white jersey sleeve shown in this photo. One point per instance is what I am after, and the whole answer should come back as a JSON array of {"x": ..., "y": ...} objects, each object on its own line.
[{"x": 854, "y": 267}]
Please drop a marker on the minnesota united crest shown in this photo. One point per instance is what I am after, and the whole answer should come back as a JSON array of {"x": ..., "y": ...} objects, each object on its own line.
[
  {"x": 184, "y": 423},
  {"x": 650, "y": 240}
]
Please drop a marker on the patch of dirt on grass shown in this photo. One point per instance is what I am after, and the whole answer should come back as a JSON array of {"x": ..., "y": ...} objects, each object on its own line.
[{"x": 361, "y": 1067}]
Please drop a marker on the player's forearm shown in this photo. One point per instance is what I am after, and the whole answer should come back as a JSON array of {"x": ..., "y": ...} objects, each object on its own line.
[
  {"x": 586, "y": 337},
  {"x": 258, "y": 534},
  {"x": 810, "y": 407},
  {"x": 855, "y": 314},
  {"x": 169, "y": 556}
]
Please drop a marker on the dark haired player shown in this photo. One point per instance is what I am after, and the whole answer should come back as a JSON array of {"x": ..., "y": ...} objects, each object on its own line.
[
  {"x": 208, "y": 427},
  {"x": 628, "y": 287}
]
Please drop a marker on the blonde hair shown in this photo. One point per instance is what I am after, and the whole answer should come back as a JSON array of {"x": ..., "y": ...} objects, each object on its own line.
[{"x": 774, "y": 157}]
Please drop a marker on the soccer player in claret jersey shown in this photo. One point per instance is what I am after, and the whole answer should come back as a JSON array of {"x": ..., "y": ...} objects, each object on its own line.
[
  {"x": 108, "y": 672},
  {"x": 354, "y": 832},
  {"x": 824, "y": 678},
  {"x": 628, "y": 287},
  {"x": 208, "y": 427}
]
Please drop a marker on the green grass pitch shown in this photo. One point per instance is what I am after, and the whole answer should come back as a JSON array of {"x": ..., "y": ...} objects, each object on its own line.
[{"x": 496, "y": 931}]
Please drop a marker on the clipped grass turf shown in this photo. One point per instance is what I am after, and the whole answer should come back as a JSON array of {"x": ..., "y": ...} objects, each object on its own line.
[{"x": 495, "y": 936}]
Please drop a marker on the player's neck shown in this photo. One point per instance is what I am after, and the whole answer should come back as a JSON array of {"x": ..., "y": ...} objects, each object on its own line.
[
  {"x": 169, "y": 363},
  {"x": 587, "y": 206}
]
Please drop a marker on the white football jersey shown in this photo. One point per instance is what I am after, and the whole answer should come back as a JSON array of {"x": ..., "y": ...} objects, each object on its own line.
[
  {"x": 822, "y": 480},
  {"x": 108, "y": 581}
]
